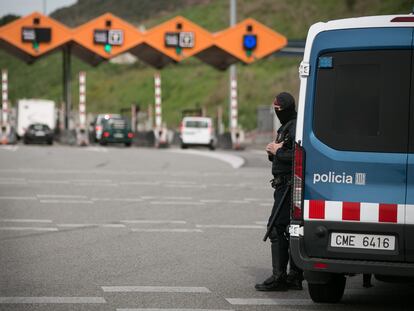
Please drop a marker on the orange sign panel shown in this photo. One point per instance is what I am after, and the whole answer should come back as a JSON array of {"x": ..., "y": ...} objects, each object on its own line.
[
  {"x": 107, "y": 36},
  {"x": 178, "y": 38},
  {"x": 34, "y": 35},
  {"x": 249, "y": 41}
]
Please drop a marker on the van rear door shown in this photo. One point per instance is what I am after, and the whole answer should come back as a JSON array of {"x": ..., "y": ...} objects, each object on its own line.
[
  {"x": 409, "y": 213},
  {"x": 356, "y": 144}
]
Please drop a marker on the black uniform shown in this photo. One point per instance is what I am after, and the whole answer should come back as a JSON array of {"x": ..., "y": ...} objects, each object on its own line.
[{"x": 282, "y": 163}]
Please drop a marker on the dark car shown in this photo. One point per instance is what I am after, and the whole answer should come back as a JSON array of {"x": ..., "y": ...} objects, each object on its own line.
[
  {"x": 38, "y": 133},
  {"x": 116, "y": 130}
]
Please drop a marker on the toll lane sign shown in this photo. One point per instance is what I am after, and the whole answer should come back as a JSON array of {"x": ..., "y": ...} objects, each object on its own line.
[
  {"x": 115, "y": 37},
  {"x": 186, "y": 40},
  {"x": 112, "y": 37},
  {"x": 179, "y": 39}
]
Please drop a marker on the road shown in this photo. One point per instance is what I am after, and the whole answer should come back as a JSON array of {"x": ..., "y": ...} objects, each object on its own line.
[{"x": 107, "y": 228}]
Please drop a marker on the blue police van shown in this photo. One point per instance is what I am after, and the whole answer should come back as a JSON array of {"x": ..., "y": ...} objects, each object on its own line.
[{"x": 353, "y": 189}]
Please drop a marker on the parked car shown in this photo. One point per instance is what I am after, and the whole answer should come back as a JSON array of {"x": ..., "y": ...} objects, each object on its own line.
[
  {"x": 97, "y": 126},
  {"x": 116, "y": 130},
  {"x": 197, "y": 131},
  {"x": 38, "y": 133}
]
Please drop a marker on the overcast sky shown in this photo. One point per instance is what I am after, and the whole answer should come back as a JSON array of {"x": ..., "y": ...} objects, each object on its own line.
[{"x": 25, "y": 7}]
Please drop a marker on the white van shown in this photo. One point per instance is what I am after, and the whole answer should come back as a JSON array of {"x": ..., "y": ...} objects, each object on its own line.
[{"x": 197, "y": 131}]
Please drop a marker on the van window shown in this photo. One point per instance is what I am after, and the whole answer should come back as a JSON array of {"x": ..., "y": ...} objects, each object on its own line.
[
  {"x": 362, "y": 100},
  {"x": 196, "y": 124}
]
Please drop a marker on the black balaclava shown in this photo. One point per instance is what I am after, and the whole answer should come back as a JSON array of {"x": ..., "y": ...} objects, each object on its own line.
[{"x": 287, "y": 105}]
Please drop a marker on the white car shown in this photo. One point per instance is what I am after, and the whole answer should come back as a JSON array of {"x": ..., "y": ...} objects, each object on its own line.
[{"x": 197, "y": 131}]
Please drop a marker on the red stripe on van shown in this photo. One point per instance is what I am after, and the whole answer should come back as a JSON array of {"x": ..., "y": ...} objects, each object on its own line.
[
  {"x": 387, "y": 213},
  {"x": 317, "y": 209},
  {"x": 351, "y": 211}
]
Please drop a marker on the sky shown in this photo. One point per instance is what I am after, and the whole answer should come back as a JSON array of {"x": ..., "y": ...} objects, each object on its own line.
[{"x": 25, "y": 7}]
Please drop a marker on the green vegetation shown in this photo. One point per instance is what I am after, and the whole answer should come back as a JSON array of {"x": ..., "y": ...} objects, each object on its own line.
[{"x": 192, "y": 83}]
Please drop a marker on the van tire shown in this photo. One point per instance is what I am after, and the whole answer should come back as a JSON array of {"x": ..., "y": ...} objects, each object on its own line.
[
  {"x": 127, "y": 144},
  {"x": 211, "y": 146},
  {"x": 184, "y": 146},
  {"x": 330, "y": 292}
]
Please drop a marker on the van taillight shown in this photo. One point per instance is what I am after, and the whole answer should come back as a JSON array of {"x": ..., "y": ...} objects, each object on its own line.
[
  {"x": 106, "y": 134},
  {"x": 130, "y": 135},
  {"x": 181, "y": 127},
  {"x": 298, "y": 182},
  {"x": 98, "y": 128}
]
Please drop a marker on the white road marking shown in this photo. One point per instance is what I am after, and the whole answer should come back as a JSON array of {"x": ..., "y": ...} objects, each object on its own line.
[
  {"x": 178, "y": 198},
  {"x": 211, "y": 201},
  {"x": 231, "y": 226},
  {"x": 187, "y": 186},
  {"x": 167, "y": 230},
  {"x": 27, "y": 229},
  {"x": 237, "y": 202},
  {"x": 96, "y": 149},
  {"x": 264, "y": 223},
  {"x": 66, "y": 201},
  {"x": 175, "y": 203},
  {"x": 154, "y": 309},
  {"x": 51, "y": 300},
  {"x": 154, "y": 289},
  {"x": 61, "y": 196},
  {"x": 17, "y": 198},
  {"x": 12, "y": 182},
  {"x": 26, "y": 220},
  {"x": 65, "y": 182},
  {"x": 91, "y": 225},
  {"x": 266, "y": 204},
  {"x": 140, "y": 183},
  {"x": 9, "y": 148},
  {"x": 234, "y": 161},
  {"x": 138, "y": 221},
  {"x": 270, "y": 301},
  {"x": 94, "y": 181},
  {"x": 128, "y": 200}
]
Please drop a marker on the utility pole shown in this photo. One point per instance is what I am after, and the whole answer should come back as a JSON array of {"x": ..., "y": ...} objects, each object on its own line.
[
  {"x": 67, "y": 84},
  {"x": 233, "y": 76}
]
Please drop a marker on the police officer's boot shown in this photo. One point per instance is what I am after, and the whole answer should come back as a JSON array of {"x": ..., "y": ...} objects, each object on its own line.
[
  {"x": 280, "y": 258},
  {"x": 294, "y": 280}
]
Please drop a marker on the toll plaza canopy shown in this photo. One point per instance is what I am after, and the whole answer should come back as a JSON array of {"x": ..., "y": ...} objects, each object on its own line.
[
  {"x": 34, "y": 36},
  {"x": 107, "y": 36}
]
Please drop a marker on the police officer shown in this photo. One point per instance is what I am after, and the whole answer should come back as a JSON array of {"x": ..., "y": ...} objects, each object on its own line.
[{"x": 280, "y": 153}]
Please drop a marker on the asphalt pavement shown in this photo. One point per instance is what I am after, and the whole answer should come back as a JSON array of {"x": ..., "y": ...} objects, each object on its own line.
[{"x": 114, "y": 228}]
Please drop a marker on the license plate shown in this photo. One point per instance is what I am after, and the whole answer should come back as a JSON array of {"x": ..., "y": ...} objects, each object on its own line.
[
  {"x": 363, "y": 241},
  {"x": 118, "y": 135},
  {"x": 40, "y": 133}
]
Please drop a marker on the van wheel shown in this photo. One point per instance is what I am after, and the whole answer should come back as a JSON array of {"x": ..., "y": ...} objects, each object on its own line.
[
  {"x": 211, "y": 147},
  {"x": 184, "y": 146},
  {"x": 330, "y": 292},
  {"x": 127, "y": 144}
]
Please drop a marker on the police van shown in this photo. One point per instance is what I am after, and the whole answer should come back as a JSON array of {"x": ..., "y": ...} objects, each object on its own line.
[{"x": 353, "y": 189}]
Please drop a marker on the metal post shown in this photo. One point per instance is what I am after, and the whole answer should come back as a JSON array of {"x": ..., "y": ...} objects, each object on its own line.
[
  {"x": 4, "y": 97},
  {"x": 82, "y": 99},
  {"x": 67, "y": 84},
  {"x": 158, "y": 111},
  {"x": 233, "y": 72}
]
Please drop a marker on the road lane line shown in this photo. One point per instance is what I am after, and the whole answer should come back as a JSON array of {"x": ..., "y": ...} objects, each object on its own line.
[
  {"x": 61, "y": 196},
  {"x": 178, "y": 198},
  {"x": 76, "y": 225},
  {"x": 270, "y": 301},
  {"x": 187, "y": 186},
  {"x": 112, "y": 226},
  {"x": 140, "y": 183},
  {"x": 27, "y": 229},
  {"x": 234, "y": 161},
  {"x": 211, "y": 201},
  {"x": 128, "y": 200},
  {"x": 26, "y": 220},
  {"x": 17, "y": 198},
  {"x": 152, "y": 309},
  {"x": 154, "y": 289},
  {"x": 64, "y": 182},
  {"x": 51, "y": 300},
  {"x": 231, "y": 226},
  {"x": 66, "y": 201},
  {"x": 264, "y": 223},
  {"x": 175, "y": 203},
  {"x": 166, "y": 230},
  {"x": 138, "y": 221}
]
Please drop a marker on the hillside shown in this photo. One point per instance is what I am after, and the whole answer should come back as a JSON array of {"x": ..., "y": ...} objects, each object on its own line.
[{"x": 191, "y": 83}]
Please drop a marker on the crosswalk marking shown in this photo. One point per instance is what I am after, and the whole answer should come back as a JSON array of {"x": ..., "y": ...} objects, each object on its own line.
[
  {"x": 51, "y": 300},
  {"x": 155, "y": 289}
]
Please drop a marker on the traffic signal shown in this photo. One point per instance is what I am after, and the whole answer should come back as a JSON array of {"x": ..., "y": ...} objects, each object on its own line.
[{"x": 249, "y": 43}]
